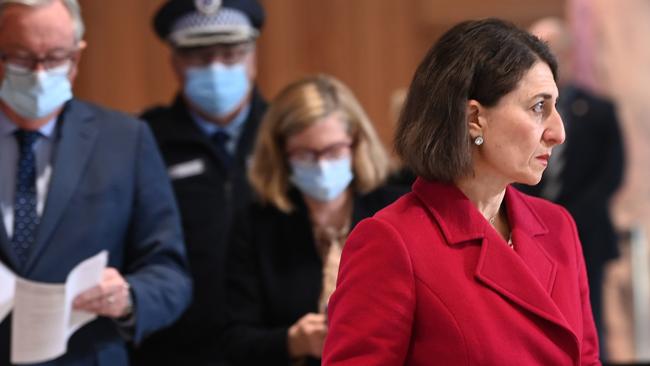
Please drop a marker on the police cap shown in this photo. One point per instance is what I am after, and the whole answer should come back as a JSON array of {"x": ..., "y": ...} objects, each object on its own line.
[{"x": 194, "y": 23}]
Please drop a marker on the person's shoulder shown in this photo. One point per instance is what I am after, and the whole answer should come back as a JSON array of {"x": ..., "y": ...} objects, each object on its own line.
[
  {"x": 156, "y": 114},
  {"x": 166, "y": 121},
  {"x": 257, "y": 212},
  {"x": 80, "y": 106},
  {"x": 404, "y": 207},
  {"x": 108, "y": 119},
  {"x": 384, "y": 195},
  {"x": 258, "y": 102},
  {"x": 598, "y": 104},
  {"x": 258, "y": 209},
  {"x": 258, "y": 108}
]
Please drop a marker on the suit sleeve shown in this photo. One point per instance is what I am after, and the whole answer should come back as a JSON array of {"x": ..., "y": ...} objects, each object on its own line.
[
  {"x": 248, "y": 338},
  {"x": 371, "y": 311},
  {"x": 156, "y": 265},
  {"x": 589, "y": 341}
]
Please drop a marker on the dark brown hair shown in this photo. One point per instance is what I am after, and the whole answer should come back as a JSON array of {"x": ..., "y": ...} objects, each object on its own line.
[{"x": 481, "y": 60}]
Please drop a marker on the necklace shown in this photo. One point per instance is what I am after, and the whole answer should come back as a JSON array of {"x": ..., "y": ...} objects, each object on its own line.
[{"x": 493, "y": 221}]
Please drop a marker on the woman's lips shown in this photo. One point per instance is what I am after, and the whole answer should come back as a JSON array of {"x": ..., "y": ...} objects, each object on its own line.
[{"x": 543, "y": 158}]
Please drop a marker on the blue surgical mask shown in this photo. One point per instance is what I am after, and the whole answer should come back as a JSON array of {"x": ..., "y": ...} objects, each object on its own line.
[
  {"x": 217, "y": 89},
  {"x": 322, "y": 180},
  {"x": 35, "y": 94}
]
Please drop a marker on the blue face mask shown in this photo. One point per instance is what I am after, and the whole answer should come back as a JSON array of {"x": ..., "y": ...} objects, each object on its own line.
[
  {"x": 217, "y": 89},
  {"x": 323, "y": 180},
  {"x": 35, "y": 94}
]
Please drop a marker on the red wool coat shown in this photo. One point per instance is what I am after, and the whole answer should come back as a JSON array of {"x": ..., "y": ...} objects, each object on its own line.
[{"x": 428, "y": 281}]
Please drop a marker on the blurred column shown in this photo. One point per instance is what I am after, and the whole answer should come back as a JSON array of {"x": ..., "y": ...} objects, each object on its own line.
[{"x": 614, "y": 60}]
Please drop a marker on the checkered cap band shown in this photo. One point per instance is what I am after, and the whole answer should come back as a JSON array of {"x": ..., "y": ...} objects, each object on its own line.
[{"x": 225, "y": 26}]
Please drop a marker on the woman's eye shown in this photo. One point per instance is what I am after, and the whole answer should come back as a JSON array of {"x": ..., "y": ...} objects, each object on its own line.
[{"x": 538, "y": 107}]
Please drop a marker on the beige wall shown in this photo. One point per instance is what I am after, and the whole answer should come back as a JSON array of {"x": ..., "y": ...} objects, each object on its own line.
[
  {"x": 124, "y": 65},
  {"x": 372, "y": 45}
]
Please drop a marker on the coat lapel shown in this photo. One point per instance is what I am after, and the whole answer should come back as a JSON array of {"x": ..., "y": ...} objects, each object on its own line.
[
  {"x": 525, "y": 277},
  {"x": 75, "y": 140}
]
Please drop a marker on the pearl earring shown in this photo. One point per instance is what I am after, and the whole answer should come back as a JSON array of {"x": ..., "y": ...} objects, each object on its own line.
[{"x": 478, "y": 141}]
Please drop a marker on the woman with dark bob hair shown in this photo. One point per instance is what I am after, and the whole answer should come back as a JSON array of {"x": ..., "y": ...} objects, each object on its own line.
[{"x": 465, "y": 269}]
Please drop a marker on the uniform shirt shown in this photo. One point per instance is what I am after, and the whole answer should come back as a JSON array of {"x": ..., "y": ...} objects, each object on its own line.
[{"x": 233, "y": 129}]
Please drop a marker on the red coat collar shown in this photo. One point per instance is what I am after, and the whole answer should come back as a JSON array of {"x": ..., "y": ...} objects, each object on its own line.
[
  {"x": 526, "y": 276},
  {"x": 463, "y": 222}
]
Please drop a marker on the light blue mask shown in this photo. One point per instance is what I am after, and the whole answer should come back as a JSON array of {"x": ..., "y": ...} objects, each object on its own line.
[
  {"x": 217, "y": 89},
  {"x": 35, "y": 94},
  {"x": 323, "y": 180}
]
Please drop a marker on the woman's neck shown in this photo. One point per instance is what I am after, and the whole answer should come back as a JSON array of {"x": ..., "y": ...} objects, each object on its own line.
[
  {"x": 334, "y": 213},
  {"x": 488, "y": 197}
]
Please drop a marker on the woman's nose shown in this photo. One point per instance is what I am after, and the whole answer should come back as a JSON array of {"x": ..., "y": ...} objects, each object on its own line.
[{"x": 554, "y": 134}]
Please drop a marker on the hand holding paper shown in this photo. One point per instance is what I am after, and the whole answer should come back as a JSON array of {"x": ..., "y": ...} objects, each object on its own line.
[
  {"x": 43, "y": 318},
  {"x": 109, "y": 298}
]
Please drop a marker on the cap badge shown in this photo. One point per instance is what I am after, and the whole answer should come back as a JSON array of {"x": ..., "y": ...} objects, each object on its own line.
[{"x": 207, "y": 7}]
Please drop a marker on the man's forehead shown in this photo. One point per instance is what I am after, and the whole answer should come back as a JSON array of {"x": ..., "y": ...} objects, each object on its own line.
[
  {"x": 53, "y": 15},
  {"x": 36, "y": 29}
]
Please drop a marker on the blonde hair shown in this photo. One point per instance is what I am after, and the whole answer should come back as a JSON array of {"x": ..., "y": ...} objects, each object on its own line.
[{"x": 297, "y": 107}]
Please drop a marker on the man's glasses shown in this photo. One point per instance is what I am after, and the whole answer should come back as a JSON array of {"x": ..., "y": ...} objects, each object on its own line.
[{"x": 30, "y": 63}]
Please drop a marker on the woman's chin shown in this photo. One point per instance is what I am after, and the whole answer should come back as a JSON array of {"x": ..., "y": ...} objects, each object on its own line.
[{"x": 530, "y": 180}]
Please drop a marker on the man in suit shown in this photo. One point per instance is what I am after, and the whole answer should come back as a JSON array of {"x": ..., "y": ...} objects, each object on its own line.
[
  {"x": 78, "y": 179},
  {"x": 206, "y": 136},
  {"x": 587, "y": 170}
]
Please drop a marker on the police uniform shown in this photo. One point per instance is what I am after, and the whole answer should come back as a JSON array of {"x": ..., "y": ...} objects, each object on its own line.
[{"x": 208, "y": 191}]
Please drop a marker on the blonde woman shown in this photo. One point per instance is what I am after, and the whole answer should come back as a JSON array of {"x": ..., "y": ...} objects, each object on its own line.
[{"x": 318, "y": 168}]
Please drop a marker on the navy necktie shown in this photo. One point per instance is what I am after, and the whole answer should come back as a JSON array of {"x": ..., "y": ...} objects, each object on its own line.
[
  {"x": 220, "y": 139},
  {"x": 25, "y": 217}
]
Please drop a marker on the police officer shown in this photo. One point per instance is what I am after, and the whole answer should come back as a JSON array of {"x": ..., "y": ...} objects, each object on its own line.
[{"x": 205, "y": 136}]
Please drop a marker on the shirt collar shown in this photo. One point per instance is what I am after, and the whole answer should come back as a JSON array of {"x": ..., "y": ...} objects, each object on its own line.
[
  {"x": 7, "y": 127},
  {"x": 233, "y": 129}
]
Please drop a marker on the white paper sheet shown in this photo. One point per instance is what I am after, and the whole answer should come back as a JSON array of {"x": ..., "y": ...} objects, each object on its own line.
[
  {"x": 7, "y": 286},
  {"x": 43, "y": 318}
]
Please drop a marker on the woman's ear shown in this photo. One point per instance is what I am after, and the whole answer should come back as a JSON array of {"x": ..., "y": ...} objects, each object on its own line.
[{"x": 475, "y": 119}]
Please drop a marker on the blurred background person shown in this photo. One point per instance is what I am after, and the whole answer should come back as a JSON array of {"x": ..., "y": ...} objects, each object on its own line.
[
  {"x": 206, "y": 136},
  {"x": 587, "y": 170},
  {"x": 317, "y": 169},
  {"x": 465, "y": 269},
  {"x": 78, "y": 179}
]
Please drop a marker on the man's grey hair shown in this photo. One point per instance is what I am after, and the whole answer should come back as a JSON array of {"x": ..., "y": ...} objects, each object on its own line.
[{"x": 72, "y": 5}]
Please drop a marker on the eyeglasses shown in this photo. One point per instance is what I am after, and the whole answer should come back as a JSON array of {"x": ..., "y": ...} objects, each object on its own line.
[
  {"x": 29, "y": 63},
  {"x": 331, "y": 152},
  {"x": 228, "y": 54}
]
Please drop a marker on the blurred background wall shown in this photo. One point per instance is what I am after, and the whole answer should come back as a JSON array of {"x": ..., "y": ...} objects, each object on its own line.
[{"x": 374, "y": 47}]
